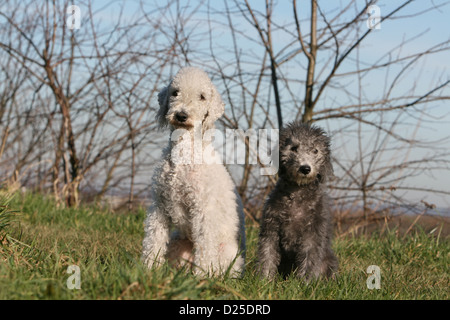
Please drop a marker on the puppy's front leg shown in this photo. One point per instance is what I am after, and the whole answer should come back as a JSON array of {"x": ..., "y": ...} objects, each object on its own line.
[
  {"x": 309, "y": 257},
  {"x": 269, "y": 255}
]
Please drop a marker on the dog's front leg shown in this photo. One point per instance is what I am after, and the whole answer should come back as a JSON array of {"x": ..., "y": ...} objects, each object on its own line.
[
  {"x": 309, "y": 257},
  {"x": 269, "y": 255},
  {"x": 205, "y": 243},
  {"x": 156, "y": 237}
]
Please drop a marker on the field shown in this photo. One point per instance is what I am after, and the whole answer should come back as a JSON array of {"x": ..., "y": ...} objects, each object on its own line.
[{"x": 41, "y": 240}]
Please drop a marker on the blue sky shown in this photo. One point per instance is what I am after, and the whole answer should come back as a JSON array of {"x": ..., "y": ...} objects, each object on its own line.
[{"x": 416, "y": 32}]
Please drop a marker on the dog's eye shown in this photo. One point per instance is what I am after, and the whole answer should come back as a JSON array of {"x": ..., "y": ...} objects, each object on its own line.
[
  {"x": 294, "y": 148},
  {"x": 174, "y": 93},
  {"x": 202, "y": 97},
  {"x": 316, "y": 151}
]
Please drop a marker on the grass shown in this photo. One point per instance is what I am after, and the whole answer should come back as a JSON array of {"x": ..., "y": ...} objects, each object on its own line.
[
  {"x": 6, "y": 215},
  {"x": 44, "y": 240}
]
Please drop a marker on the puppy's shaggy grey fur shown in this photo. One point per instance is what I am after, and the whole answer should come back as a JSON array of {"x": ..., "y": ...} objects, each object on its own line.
[{"x": 296, "y": 229}]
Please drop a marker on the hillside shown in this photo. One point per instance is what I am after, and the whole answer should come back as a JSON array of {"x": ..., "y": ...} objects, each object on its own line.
[{"x": 44, "y": 240}]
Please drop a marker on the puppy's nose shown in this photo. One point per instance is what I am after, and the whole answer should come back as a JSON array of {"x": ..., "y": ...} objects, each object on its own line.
[
  {"x": 181, "y": 116},
  {"x": 305, "y": 169}
]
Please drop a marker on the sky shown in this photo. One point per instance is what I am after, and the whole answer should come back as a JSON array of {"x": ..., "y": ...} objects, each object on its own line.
[
  {"x": 416, "y": 32},
  {"x": 432, "y": 26}
]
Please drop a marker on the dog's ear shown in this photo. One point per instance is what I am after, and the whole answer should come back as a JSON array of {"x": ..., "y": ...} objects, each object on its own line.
[
  {"x": 329, "y": 172},
  {"x": 216, "y": 108},
  {"x": 285, "y": 133},
  {"x": 328, "y": 166},
  {"x": 163, "y": 100}
]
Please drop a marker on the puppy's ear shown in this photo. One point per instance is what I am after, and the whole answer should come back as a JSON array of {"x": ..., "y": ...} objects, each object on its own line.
[
  {"x": 284, "y": 136},
  {"x": 216, "y": 108},
  {"x": 329, "y": 172},
  {"x": 328, "y": 167},
  {"x": 163, "y": 100}
]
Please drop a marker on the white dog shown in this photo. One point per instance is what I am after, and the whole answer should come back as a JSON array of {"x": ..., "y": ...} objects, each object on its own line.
[{"x": 192, "y": 190}]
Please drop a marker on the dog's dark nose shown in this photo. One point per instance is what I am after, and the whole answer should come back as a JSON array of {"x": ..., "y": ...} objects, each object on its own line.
[
  {"x": 181, "y": 116},
  {"x": 305, "y": 169}
]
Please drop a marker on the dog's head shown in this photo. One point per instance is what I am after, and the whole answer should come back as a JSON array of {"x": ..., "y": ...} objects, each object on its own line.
[
  {"x": 305, "y": 154},
  {"x": 189, "y": 99}
]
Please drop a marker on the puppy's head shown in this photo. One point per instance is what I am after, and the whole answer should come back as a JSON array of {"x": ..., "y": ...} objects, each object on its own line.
[
  {"x": 188, "y": 100},
  {"x": 304, "y": 154}
]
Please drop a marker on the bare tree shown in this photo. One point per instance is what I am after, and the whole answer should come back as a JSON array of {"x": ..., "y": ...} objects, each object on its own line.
[
  {"x": 77, "y": 105},
  {"x": 90, "y": 88},
  {"x": 324, "y": 49}
]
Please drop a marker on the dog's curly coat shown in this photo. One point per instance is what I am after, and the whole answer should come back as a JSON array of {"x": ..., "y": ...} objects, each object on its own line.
[
  {"x": 195, "y": 195},
  {"x": 296, "y": 230}
]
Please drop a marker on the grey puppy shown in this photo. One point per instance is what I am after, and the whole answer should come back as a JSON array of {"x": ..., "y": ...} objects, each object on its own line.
[{"x": 296, "y": 230}]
